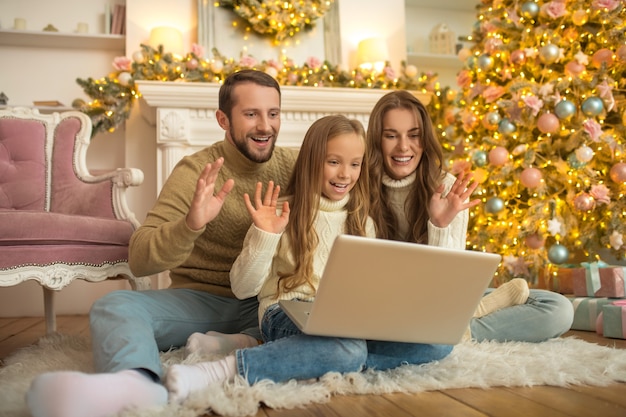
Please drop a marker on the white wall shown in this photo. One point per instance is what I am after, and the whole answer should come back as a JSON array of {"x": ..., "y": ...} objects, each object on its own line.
[
  {"x": 34, "y": 73},
  {"x": 421, "y": 20}
]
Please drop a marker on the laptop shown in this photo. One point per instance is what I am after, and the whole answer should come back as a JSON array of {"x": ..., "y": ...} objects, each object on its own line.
[{"x": 379, "y": 289}]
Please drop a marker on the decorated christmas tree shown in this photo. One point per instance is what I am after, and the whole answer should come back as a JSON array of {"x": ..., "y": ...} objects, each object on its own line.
[{"x": 539, "y": 118}]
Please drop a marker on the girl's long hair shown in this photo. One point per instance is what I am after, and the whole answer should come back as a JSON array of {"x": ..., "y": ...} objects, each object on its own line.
[
  {"x": 429, "y": 170},
  {"x": 305, "y": 190}
]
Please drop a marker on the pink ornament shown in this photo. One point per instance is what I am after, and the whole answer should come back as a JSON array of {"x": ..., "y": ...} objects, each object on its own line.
[
  {"x": 534, "y": 241},
  {"x": 517, "y": 57},
  {"x": 584, "y": 202},
  {"x": 192, "y": 64},
  {"x": 530, "y": 177},
  {"x": 498, "y": 156},
  {"x": 292, "y": 78},
  {"x": 574, "y": 68},
  {"x": 548, "y": 123},
  {"x": 601, "y": 56},
  {"x": 618, "y": 172}
]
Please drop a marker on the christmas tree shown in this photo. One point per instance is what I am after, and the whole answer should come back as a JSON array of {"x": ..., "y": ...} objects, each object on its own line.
[{"x": 539, "y": 118}]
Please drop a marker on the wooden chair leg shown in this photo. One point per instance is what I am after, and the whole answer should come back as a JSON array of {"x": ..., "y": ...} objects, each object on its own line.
[{"x": 48, "y": 307}]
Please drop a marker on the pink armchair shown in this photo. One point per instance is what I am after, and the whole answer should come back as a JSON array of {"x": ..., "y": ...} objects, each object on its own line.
[{"x": 58, "y": 222}]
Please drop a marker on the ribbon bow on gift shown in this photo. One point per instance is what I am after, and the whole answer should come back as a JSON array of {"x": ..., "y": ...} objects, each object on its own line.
[
  {"x": 594, "y": 272},
  {"x": 593, "y": 275}
]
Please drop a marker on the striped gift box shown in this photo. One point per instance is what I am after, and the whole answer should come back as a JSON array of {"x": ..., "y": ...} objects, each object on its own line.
[{"x": 587, "y": 310}]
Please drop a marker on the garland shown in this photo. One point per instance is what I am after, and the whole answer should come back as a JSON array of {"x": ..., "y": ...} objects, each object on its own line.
[
  {"x": 280, "y": 19},
  {"x": 113, "y": 96}
]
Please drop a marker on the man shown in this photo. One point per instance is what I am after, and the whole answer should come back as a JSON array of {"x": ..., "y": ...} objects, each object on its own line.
[{"x": 195, "y": 230}]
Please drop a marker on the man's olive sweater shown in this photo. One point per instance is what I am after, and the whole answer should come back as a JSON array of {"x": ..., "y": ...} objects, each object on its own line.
[{"x": 202, "y": 259}]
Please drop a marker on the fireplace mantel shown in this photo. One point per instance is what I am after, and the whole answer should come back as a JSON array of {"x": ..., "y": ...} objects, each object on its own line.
[{"x": 184, "y": 115}]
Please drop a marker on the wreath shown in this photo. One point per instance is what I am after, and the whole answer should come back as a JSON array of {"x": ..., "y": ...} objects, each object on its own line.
[{"x": 280, "y": 19}]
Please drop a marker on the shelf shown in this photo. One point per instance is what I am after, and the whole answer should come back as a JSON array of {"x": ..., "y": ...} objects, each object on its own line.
[
  {"x": 463, "y": 5},
  {"x": 434, "y": 60},
  {"x": 62, "y": 40}
]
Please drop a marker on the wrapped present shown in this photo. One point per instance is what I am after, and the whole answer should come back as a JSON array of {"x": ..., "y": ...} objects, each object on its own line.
[
  {"x": 586, "y": 311},
  {"x": 614, "y": 320},
  {"x": 600, "y": 280},
  {"x": 563, "y": 280},
  {"x": 560, "y": 279}
]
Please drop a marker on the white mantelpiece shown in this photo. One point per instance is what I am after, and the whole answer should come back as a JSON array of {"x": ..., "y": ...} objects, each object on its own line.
[{"x": 185, "y": 115}]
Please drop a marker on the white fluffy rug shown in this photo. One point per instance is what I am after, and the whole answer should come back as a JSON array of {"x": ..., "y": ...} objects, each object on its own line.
[{"x": 558, "y": 362}]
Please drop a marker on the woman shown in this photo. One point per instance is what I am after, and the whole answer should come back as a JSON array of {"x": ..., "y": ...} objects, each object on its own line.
[{"x": 414, "y": 200}]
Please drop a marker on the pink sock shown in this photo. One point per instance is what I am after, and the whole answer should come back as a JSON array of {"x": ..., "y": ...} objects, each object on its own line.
[
  {"x": 183, "y": 380},
  {"x": 76, "y": 394}
]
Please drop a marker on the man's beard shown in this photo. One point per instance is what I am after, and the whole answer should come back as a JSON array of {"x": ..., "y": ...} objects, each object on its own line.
[{"x": 242, "y": 146}]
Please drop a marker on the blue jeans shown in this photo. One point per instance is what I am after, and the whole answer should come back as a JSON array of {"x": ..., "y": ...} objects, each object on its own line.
[
  {"x": 545, "y": 315},
  {"x": 129, "y": 328},
  {"x": 289, "y": 354}
]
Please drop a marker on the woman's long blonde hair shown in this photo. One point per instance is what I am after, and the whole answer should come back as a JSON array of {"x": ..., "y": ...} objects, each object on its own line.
[
  {"x": 305, "y": 190},
  {"x": 429, "y": 170}
]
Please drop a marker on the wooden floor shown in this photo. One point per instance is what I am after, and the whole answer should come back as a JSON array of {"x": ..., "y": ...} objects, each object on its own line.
[{"x": 544, "y": 401}]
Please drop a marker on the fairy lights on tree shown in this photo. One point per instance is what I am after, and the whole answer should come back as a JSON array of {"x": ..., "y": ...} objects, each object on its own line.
[{"x": 540, "y": 120}]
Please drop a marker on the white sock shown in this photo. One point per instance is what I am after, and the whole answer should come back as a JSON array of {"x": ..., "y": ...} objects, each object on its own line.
[
  {"x": 510, "y": 294},
  {"x": 218, "y": 343},
  {"x": 183, "y": 380},
  {"x": 76, "y": 394}
]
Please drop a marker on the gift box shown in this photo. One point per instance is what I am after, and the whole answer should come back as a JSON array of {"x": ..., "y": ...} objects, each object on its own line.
[
  {"x": 600, "y": 280},
  {"x": 614, "y": 320},
  {"x": 563, "y": 280},
  {"x": 557, "y": 279},
  {"x": 586, "y": 311}
]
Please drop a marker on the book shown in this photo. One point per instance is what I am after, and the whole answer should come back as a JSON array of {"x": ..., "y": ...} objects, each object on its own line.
[
  {"x": 117, "y": 21},
  {"x": 123, "y": 19}
]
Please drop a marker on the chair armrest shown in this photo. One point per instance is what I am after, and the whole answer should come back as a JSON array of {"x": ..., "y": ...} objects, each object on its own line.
[{"x": 120, "y": 179}]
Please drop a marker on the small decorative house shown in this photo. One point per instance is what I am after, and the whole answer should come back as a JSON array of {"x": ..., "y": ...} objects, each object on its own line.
[{"x": 442, "y": 40}]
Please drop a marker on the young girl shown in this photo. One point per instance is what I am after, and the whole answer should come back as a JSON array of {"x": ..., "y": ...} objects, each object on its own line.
[
  {"x": 414, "y": 200},
  {"x": 283, "y": 258}
]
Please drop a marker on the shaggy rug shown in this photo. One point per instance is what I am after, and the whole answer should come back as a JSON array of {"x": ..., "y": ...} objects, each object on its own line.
[{"x": 557, "y": 362}]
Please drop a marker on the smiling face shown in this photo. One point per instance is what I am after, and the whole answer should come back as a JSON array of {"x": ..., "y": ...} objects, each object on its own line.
[
  {"x": 254, "y": 120},
  {"x": 342, "y": 165},
  {"x": 401, "y": 142}
]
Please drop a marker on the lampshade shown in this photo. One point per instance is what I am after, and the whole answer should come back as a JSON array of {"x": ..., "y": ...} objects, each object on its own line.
[
  {"x": 372, "y": 53},
  {"x": 171, "y": 39}
]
